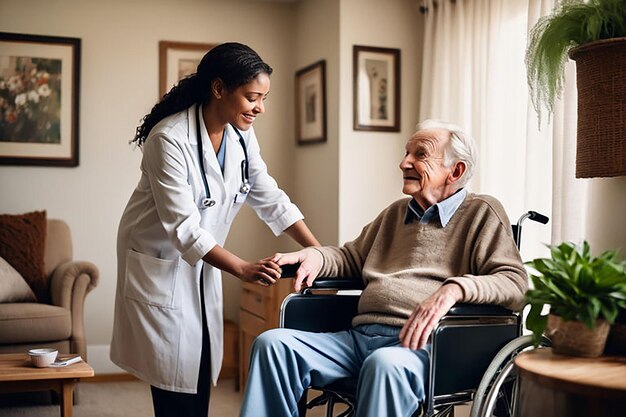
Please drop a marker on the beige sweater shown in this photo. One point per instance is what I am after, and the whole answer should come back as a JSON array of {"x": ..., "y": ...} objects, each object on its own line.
[{"x": 402, "y": 264}]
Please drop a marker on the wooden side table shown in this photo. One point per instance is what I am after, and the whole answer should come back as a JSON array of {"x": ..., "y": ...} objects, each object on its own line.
[
  {"x": 557, "y": 385},
  {"x": 17, "y": 374},
  {"x": 259, "y": 311}
]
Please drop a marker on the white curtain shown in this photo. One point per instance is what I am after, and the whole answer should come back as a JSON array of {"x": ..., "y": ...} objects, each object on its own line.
[
  {"x": 474, "y": 75},
  {"x": 570, "y": 195}
]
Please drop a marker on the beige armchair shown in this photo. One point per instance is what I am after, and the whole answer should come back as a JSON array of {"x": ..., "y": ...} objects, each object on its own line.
[{"x": 60, "y": 324}]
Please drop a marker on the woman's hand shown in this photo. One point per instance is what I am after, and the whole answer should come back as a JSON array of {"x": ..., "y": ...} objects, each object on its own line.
[
  {"x": 310, "y": 260},
  {"x": 264, "y": 272}
]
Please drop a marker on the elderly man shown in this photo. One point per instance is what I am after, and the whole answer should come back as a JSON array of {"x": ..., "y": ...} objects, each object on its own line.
[{"x": 417, "y": 259}]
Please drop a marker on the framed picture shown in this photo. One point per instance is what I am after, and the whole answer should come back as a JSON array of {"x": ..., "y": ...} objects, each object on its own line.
[
  {"x": 178, "y": 60},
  {"x": 311, "y": 104},
  {"x": 376, "y": 89},
  {"x": 39, "y": 99}
]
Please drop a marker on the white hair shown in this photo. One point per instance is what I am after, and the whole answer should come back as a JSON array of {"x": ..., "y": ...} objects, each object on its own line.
[{"x": 460, "y": 148}]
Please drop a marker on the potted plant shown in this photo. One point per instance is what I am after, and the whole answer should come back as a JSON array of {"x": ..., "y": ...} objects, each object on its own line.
[
  {"x": 593, "y": 33},
  {"x": 584, "y": 293}
]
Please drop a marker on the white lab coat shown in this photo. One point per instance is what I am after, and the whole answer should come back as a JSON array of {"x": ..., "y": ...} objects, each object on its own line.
[{"x": 162, "y": 237}]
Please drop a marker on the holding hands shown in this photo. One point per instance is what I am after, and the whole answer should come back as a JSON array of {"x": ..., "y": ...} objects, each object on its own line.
[
  {"x": 264, "y": 272},
  {"x": 310, "y": 261}
]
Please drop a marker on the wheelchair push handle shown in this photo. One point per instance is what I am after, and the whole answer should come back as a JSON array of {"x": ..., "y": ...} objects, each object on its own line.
[
  {"x": 532, "y": 215},
  {"x": 538, "y": 217}
]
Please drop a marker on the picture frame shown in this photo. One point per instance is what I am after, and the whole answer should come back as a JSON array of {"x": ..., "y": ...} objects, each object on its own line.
[
  {"x": 376, "y": 88},
  {"x": 311, "y": 104},
  {"x": 178, "y": 60},
  {"x": 39, "y": 99}
]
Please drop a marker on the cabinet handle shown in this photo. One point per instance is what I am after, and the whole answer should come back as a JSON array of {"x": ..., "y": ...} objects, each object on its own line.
[{"x": 258, "y": 298}]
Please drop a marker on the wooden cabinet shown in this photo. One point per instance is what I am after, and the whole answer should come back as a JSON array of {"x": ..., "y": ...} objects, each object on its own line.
[
  {"x": 230, "y": 363},
  {"x": 259, "y": 311}
]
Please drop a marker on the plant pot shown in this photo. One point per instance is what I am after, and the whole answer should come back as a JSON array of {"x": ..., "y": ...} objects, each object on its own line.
[
  {"x": 601, "y": 139},
  {"x": 574, "y": 338}
]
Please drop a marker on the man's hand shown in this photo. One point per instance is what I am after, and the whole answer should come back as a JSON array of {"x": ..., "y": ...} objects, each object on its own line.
[
  {"x": 310, "y": 265},
  {"x": 417, "y": 329},
  {"x": 264, "y": 272}
]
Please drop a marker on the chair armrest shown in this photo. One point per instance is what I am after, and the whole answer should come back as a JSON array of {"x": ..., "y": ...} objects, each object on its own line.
[
  {"x": 340, "y": 283},
  {"x": 69, "y": 285},
  {"x": 463, "y": 309},
  {"x": 71, "y": 281}
]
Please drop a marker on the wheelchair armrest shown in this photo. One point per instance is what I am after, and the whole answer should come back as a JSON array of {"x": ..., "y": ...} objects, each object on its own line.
[
  {"x": 326, "y": 283},
  {"x": 468, "y": 331},
  {"x": 318, "y": 312},
  {"x": 463, "y": 309}
]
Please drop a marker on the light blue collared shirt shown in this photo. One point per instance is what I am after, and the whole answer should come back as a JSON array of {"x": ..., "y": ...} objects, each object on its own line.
[
  {"x": 444, "y": 209},
  {"x": 221, "y": 152}
]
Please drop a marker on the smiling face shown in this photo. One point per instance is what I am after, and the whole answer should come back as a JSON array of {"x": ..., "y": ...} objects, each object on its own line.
[
  {"x": 243, "y": 104},
  {"x": 425, "y": 176}
]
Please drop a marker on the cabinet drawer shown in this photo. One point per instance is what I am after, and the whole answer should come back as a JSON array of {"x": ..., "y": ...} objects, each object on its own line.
[
  {"x": 251, "y": 324},
  {"x": 255, "y": 302}
]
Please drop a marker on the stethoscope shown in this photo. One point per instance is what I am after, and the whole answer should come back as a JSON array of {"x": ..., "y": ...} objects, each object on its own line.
[{"x": 245, "y": 183}]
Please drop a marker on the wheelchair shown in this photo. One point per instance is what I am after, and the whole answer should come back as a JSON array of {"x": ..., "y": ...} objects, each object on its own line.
[{"x": 491, "y": 337}]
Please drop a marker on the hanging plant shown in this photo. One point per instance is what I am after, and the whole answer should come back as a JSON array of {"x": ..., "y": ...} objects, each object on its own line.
[{"x": 572, "y": 23}]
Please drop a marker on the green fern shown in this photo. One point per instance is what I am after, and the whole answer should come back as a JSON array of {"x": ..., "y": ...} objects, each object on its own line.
[{"x": 572, "y": 23}]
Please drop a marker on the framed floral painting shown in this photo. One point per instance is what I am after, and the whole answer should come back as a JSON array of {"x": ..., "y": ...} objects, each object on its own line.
[{"x": 39, "y": 99}]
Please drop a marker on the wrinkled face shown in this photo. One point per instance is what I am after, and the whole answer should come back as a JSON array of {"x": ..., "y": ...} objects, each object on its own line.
[
  {"x": 425, "y": 177},
  {"x": 242, "y": 105}
]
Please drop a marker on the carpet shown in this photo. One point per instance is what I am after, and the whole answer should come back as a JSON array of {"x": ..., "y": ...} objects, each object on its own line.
[{"x": 126, "y": 399}]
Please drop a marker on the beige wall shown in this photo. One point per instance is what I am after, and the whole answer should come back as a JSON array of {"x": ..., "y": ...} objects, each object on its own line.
[
  {"x": 316, "y": 166},
  {"x": 369, "y": 177},
  {"x": 355, "y": 174}
]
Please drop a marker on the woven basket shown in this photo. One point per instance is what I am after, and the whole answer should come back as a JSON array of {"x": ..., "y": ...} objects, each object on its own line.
[
  {"x": 574, "y": 338},
  {"x": 601, "y": 81}
]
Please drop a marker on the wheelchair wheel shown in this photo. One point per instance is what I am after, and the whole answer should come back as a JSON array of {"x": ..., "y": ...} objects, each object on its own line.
[{"x": 497, "y": 393}]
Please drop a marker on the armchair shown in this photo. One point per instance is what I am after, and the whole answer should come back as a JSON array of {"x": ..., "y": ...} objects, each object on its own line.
[{"x": 60, "y": 324}]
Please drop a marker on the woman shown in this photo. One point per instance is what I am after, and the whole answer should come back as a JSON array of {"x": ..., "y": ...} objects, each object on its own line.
[{"x": 200, "y": 163}]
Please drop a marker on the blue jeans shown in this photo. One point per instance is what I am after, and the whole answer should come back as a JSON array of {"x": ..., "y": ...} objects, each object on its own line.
[{"x": 284, "y": 362}]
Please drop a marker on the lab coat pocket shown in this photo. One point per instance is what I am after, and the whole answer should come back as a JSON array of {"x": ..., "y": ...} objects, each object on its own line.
[
  {"x": 235, "y": 206},
  {"x": 151, "y": 280}
]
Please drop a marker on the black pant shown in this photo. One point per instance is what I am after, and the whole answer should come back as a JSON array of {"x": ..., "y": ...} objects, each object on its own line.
[{"x": 175, "y": 404}]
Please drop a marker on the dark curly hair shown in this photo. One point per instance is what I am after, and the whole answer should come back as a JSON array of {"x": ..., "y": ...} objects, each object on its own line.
[{"x": 233, "y": 63}]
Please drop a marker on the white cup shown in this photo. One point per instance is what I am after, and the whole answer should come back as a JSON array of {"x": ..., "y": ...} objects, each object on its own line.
[{"x": 42, "y": 357}]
